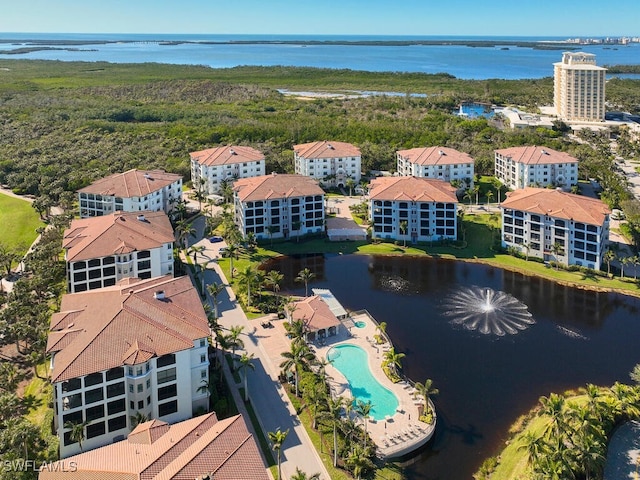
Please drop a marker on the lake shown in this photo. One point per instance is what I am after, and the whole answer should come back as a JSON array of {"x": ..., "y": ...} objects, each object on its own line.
[
  {"x": 486, "y": 381},
  {"x": 508, "y": 62}
]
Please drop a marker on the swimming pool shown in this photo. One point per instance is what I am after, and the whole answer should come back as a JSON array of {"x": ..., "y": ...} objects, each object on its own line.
[{"x": 351, "y": 361}]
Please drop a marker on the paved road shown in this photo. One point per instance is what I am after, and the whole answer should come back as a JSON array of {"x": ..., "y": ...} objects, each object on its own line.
[{"x": 265, "y": 391}]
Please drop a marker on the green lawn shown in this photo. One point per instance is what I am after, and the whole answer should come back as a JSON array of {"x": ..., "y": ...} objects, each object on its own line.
[{"x": 19, "y": 222}]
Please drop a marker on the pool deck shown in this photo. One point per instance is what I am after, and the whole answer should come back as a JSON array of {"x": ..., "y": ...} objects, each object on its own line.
[{"x": 397, "y": 435}]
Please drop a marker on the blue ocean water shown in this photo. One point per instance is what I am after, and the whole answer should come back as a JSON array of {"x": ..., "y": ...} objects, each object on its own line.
[{"x": 507, "y": 62}]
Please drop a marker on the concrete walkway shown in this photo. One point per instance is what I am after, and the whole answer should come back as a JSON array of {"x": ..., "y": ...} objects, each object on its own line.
[{"x": 266, "y": 394}]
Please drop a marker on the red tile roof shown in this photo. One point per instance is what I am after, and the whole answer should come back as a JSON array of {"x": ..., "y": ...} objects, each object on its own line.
[
  {"x": 325, "y": 149},
  {"x": 274, "y": 186},
  {"x": 435, "y": 156},
  {"x": 315, "y": 313},
  {"x": 226, "y": 155},
  {"x": 536, "y": 155},
  {"x": 557, "y": 204},
  {"x": 132, "y": 183},
  {"x": 182, "y": 451},
  {"x": 118, "y": 233},
  {"x": 114, "y": 325},
  {"x": 412, "y": 189}
]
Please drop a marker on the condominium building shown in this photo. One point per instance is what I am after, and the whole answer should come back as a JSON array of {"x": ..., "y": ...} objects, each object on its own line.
[
  {"x": 412, "y": 208},
  {"x": 213, "y": 166},
  {"x": 138, "y": 347},
  {"x": 441, "y": 163},
  {"x": 131, "y": 191},
  {"x": 331, "y": 163},
  {"x": 101, "y": 251},
  {"x": 202, "y": 447},
  {"x": 521, "y": 167},
  {"x": 578, "y": 87},
  {"x": 554, "y": 225},
  {"x": 279, "y": 206}
]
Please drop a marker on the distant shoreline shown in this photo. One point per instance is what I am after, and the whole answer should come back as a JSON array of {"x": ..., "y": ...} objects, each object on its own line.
[{"x": 30, "y": 45}]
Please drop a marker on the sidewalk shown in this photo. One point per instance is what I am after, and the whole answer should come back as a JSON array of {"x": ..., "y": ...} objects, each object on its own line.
[{"x": 270, "y": 402}]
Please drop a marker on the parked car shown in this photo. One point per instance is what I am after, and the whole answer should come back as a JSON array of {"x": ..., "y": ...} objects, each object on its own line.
[
  {"x": 223, "y": 251},
  {"x": 215, "y": 239}
]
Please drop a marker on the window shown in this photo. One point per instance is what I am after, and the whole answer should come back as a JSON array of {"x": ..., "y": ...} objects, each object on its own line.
[
  {"x": 95, "y": 430},
  {"x": 203, "y": 358},
  {"x": 93, "y": 413},
  {"x": 75, "y": 417},
  {"x": 118, "y": 423},
  {"x": 165, "y": 360},
  {"x": 71, "y": 385},
  {"x": 148, "y": 383},
  {"x": 115, "y": 373},
  {"x": 131, "y": 388},
  {"x": 202, "y": 342},
  {"x": 203, "y": 374},
  {"x": 72, "y": 401},
  {"x": 140, "y": 388},
  {"x": 92, "y": 396},
  {"x": 115, "y": 389},
  {"x": 166, "y": 376},
  {"x": 93, "y": 379},
  {"x": 116, "y": 406},
  {"x": 167, "y": 392},
  {"x": 167, "y": 408},
  {"x": 140, "y": 404}
]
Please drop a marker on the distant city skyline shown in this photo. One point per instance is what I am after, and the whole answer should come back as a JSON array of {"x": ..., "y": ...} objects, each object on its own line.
[{"x": 571, "y": 18}]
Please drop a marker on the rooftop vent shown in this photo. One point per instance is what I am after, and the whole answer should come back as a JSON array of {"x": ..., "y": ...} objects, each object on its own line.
[
  {"x": 159, "y": 295},
  {"x": 544, "y": 152},
  {"x": 440, "y": 152},
  {"x": 141, "y": 218},
  {"x": 147, "y": 175},
  {"x": 329, "y": 146},
  {"x": 232, "y": 151}
]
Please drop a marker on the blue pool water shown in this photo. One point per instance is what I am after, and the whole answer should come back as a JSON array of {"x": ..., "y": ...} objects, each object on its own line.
[
  {"x": 360, "y": 324},
  {"x": 351, "y": 361}
]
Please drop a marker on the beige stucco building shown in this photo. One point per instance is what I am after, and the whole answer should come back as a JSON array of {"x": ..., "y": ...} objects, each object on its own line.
[{"x": 579, "y": 87}]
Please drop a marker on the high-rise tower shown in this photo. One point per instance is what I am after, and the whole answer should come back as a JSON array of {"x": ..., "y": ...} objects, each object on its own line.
[{"x": 578, "y": 87}]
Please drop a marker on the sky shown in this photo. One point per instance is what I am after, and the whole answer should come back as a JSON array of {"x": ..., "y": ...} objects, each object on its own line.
[{"x": 563, "y": 18}]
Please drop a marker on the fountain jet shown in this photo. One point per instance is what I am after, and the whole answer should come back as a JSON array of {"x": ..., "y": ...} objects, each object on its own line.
[{"x": 488, "y": 311}]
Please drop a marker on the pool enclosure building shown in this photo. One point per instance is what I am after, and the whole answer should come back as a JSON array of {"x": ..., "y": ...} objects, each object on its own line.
[{"x": 321, "y": 314}]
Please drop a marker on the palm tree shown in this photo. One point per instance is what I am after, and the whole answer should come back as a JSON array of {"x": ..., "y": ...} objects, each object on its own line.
[
  {"x": 358, "y": 460},
  {"x": 245, "y": 362},
  {"x": 295, "y": 227},
  {"x": 249, "y": 277},
  {"x": 426, "y": 390},
  {"x": 350, "y": 183},
  {"x": 635, "y": 261},
  {"x": 298, "y": 358},
  {"x": 380, "y": 336},
  {"x": 533, "y": 445},
  {"x": 609, "y": 256},
  {"x": 271, "y": 229},
  {"x": 333, "y": 415},
  {"x": 300, "y": 475},
  {"x": 476, "y": 192},
  {"x": 205, "y": 387},
  {"x": 527, "y": 249},
  {"x": 195, "y": 250},
  {"x": 403, "y": 230},
  {"x": 137, "y": 419},
  {"x": 273, "y": 279},
  {"x": 77, "y": 433},
  {"x": 214, "y": 290},
  {"x": 489, "y": 195},
  {"x": 624, "y": 261},
  {"x": 234, "y": 341},
  {"x": 364, "y": 409},
  {"x": 314, "y": 396},
  {"x": 233, "y": 250},
  {"x": 226, "y": 189},
  {"x": 497, "y": 184},
  {"x": 305, "y": 276},
  {"x": 183, "y": 231},
  {"x": 277, "y": 438},
  {"x": 393, "y": 360},
  {"x": 468, "y": 194},
  {"x": 296, "y": 330},
  {"x": 557, "y": 250},
  {"x": 553, "y": 407}
]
